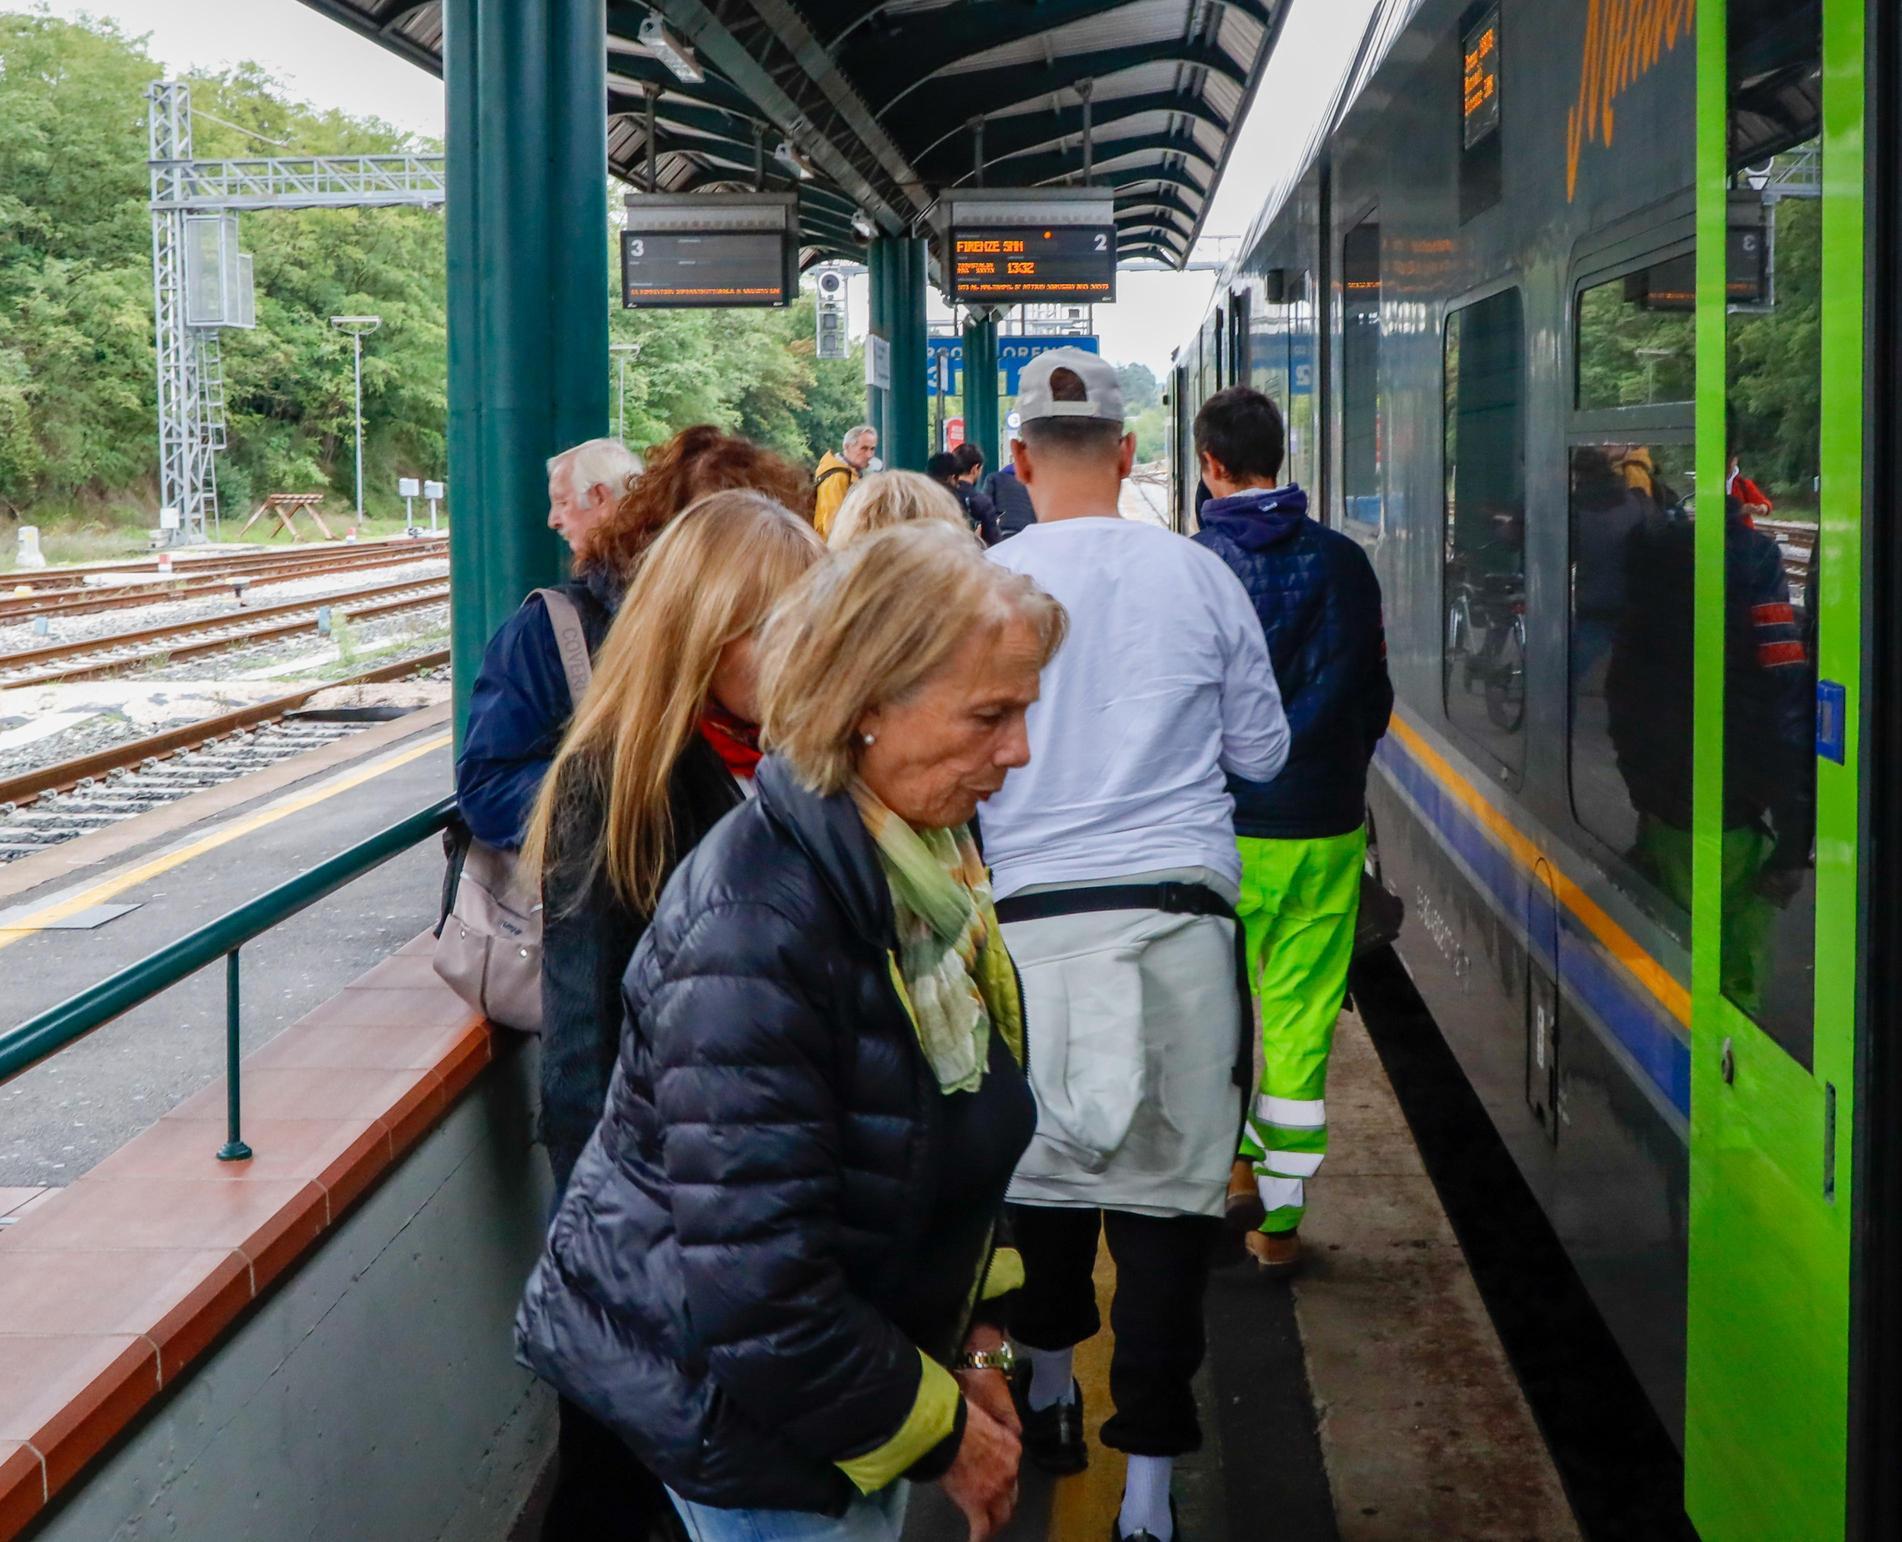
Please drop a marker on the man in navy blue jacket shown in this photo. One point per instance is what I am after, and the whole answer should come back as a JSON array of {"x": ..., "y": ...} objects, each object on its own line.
[
  {"x": 520, "y": 705},
  {"x": 1303, "y": 836}
]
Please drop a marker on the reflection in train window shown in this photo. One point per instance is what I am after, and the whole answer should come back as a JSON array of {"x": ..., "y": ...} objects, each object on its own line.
[
  {"x": 1631, "y": 659},
  {"x": 1773, "y": 423},
  {"x": 1484, "y": 675},
  {"x": 1281, "y": 365},
  {"x": 1636, "y": 337},
  {"x": 1360, "y": 374}
]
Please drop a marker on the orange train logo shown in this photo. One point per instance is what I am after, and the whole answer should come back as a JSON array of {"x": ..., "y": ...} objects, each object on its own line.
[{"x": 1624, "y": 39}]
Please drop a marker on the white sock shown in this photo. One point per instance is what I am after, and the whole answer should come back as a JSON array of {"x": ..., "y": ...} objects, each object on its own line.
[
  {"x": 1146, "y": 1497},
  {"x": 1051, "y": 1379}
]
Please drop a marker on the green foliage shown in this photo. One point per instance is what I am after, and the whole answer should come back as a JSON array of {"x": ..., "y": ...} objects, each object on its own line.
[
  {"x": 1140, "y": 387},
  {"x": 78, "y": 431},
  {"x": 751, "y": 372},
  {"x": 1151, "y": 427},
  {"x": 77, "y": 409}
]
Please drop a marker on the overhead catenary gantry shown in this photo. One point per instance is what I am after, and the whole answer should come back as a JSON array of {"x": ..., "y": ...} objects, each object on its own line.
[{"x": 195, "y": 298}]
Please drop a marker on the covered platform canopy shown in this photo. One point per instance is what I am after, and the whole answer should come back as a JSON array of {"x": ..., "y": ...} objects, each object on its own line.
[
  {"x": 872, "y": 111},
  {"x": 890, "y": 104}
]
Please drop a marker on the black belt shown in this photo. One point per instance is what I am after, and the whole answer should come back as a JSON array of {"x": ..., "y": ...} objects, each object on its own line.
[{"x": 1176, "y": 899}]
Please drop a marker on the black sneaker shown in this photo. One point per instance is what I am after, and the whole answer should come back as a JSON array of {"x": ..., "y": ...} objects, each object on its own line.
[{"x": 1053, "y": 1436}]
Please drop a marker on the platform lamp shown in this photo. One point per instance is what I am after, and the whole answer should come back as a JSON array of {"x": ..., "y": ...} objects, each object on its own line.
[
  {"x": 628, "y": 353},
  {"x": 358, "y": 328}
]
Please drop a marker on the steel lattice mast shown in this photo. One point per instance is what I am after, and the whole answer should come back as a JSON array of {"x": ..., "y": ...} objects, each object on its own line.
[{"x": 190, "y": 378}]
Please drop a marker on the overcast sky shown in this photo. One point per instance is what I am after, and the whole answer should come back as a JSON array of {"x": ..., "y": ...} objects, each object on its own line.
[{"x": 330, "y": 66}]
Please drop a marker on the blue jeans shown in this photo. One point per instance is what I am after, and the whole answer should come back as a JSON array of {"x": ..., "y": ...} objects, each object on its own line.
[{"x": 876, "y": 1517}]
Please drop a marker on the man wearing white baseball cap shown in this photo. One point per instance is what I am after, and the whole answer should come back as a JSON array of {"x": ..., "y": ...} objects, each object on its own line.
[{"x": 1115, "y": 869}]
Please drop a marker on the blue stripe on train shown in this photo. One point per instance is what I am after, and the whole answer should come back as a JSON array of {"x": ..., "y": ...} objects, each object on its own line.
[{"x": 1633, "y": 1017}]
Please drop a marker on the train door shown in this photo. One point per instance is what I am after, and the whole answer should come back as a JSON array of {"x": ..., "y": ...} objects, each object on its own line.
[
  {"x": 1238, "y": 361},
  {"x": 1182, "y": 445},
  {"x": 1772, "y": 859}
]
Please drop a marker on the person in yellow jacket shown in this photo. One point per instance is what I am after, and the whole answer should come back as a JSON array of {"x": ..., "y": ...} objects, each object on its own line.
[{"x": 836, "y": 473}]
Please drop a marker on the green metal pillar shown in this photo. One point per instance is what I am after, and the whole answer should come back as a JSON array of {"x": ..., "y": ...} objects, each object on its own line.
[
  {"x": 878, "y": 316},
  {"x": 526, "y": 107},
  {"x": 898, "y": 299},
  {"x": 980, "y": 389}
]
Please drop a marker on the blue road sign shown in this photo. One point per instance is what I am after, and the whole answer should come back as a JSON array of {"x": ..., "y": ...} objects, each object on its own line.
[{"x": 1013, "y": 353}]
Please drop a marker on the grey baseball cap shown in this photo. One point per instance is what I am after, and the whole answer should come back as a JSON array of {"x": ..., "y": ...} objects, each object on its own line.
[{"x": 1103, "y": 394}]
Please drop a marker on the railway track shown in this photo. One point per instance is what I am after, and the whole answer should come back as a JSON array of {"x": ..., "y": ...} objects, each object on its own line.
[
  {"x": 220, "y": 564},
  {"x": 97, "y": 657},
  {"x": 60, "y": 802},
  {"x": 189, "y": 584}
]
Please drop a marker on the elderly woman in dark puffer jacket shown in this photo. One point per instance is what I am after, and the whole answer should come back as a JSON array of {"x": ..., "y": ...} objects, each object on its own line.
[{"x": 775, "y": 1267}]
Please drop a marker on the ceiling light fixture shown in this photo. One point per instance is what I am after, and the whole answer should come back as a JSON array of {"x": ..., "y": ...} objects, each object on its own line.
[
  {"x": 664, "y": 46},
  {"x": 789, "y": 157}
]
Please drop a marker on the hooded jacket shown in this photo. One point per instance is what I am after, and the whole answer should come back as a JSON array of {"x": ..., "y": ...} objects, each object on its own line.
[
  {"x": 520, "y": 708},
  {"x": 1015, "y": 511},
  {"x": 1319, "y": 604},
  {"x": 777, "y": 1234}
]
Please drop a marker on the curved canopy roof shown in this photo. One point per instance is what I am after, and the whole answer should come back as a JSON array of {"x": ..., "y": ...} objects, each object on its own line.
[{"x": 892, "y": 103}]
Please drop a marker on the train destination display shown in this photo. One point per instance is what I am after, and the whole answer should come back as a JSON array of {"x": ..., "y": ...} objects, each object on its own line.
[
  {"x": 1010, "y": 264},
  {"x": 703, "y": 268},
  {"x": 1479, "y": 80}
]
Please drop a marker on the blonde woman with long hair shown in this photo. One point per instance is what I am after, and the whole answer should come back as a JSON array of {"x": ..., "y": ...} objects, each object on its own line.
[
  {"x": 663, "y": 745},
  {"x": 887, "y": 498}
]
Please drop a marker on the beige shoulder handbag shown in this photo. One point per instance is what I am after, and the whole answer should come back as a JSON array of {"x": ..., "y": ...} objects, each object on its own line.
[{"x": 489, "y": 940}]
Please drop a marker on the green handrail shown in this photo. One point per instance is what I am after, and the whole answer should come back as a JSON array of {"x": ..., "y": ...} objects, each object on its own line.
[{"x": 78, "y": 1015}]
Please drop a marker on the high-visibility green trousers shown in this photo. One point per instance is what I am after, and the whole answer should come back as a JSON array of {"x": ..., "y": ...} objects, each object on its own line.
[{"x": 1298, "y": 904}]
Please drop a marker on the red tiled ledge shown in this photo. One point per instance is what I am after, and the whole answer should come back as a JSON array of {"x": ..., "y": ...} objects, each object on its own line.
[{"x": 113, "y": 1286}]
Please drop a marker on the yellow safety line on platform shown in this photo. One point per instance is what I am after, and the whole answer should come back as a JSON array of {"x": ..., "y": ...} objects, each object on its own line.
[
  {"x": 99, "y": 893},
  {"x": 1083, "y": 1506}
]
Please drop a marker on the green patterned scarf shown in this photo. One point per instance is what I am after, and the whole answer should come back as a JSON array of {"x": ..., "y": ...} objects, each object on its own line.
[{"x": 941, "y": 894}]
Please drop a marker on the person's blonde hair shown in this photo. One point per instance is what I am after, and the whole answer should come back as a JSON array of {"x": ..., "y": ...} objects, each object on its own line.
[
  {"x": 873, "y": 624},
  {"x": 887, "y": 498},
  {"x": 709, "y": 579}
]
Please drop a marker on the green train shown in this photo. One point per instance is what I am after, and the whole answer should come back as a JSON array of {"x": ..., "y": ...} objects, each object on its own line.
[{"x": 1584, "y": 318}]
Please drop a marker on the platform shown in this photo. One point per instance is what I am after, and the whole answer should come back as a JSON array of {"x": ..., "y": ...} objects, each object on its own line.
[{"x": 1367, "y": 1400}]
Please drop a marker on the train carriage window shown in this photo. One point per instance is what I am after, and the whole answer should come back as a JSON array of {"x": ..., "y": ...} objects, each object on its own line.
[
  {"x": 1360, "y": 376},
  {"x": 1631, "y": 657},
  {"x": 1636, "y": 337},
  {"x": 1300, "y": 404},
  {"x": 1771, "y": 501},
  {"x": 1484, "y": 656}
]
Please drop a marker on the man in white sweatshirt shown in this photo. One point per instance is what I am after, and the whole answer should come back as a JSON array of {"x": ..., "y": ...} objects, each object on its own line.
[{"x": 1114, "y": 864}]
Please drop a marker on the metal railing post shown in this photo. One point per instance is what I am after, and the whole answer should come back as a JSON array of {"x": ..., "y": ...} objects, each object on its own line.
[{"x": 234, "y": 1149}]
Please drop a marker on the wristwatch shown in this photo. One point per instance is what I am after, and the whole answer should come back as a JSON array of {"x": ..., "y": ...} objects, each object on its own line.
[{"x": 1003, "y": 1358}]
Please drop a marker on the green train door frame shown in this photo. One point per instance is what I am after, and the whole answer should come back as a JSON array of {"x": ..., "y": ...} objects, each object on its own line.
[{"x": 1772, "y": 1179}]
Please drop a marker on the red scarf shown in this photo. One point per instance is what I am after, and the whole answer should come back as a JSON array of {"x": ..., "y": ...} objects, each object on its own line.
[{"x": 734, "y": 740}]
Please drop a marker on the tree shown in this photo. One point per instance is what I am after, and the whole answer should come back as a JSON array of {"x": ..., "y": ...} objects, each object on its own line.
[{"x": 1140, "y": 388}]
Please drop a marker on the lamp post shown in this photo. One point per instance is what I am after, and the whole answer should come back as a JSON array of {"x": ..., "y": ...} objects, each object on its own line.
[
  {"x": 358, "y": 328},
  {"x": 628, "y": 352}
]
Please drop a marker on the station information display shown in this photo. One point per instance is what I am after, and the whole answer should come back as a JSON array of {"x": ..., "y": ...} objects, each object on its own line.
[
  {"x": 1013, "y": 264},
  {"x": 1479, "y": 79},
  {"x": 704, "y": 250},
  {"x": 723, "y": 267}
]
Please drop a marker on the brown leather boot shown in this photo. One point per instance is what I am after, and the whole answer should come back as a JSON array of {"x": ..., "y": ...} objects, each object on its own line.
[
  {"x": 1244, "y": 1211},
  {"x": 1274, "y": 1252}
]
